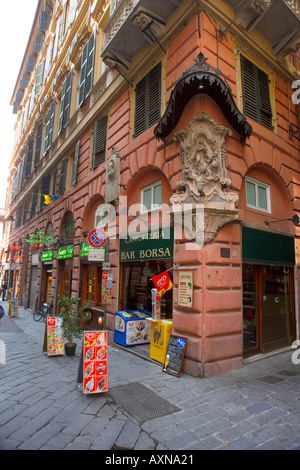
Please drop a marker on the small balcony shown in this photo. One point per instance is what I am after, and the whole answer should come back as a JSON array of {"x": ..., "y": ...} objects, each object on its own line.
[
  {"x": 132, "y": 24},
  {"x": 278, "y": 21}
]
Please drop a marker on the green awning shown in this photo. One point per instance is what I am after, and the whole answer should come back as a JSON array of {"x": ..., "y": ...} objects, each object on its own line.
[{"x": 267, "y": 246}]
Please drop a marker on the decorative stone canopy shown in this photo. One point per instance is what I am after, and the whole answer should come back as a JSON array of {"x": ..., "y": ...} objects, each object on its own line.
[{"x": 202, "y": 78}]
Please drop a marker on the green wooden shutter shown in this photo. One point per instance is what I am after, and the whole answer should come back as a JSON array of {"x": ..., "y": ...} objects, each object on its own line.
[
  {"x": 140, "y": 108},
  {"x": 34, "y": 201},
  {"x": 90, "y": 65},
  {"x": 39, "y": 78},
  {"x": 45, "y": 188},
  {"x": 83, "y": 75},
  {"x": 76, "y": 158},
  {"x": 62, "y": 106},
  {"x": 264, "y": 99},
  {"x": 63, "y": 175},
  {"x": 256, "y": 93},
  {"x": 38, "y": 145},
  {"x": 54, "y": 181},
  {"x": 147, "y": 102},
  {"x": 154, "y": 95},
  {"x": 29, "y": 159},
  {"x": 26, "y": 210},
  {"x": 49, "y": 127},
  {"x": 24, "y": 169},
  {"x": 64, "y": 113},
  {"x": 99, "y": 148}
]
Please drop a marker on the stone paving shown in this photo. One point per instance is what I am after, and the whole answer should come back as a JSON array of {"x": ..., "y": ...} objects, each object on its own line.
[{"x": 42, "y": 406}]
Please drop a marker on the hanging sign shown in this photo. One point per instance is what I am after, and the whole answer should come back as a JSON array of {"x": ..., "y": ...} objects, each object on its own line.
[
  {"x": 97, "y": 238},
  {"x": 39, "y": 239},
  {"x": 95, "y": 362},
  {"x": 55, "y": 339},
  {"x": 162, "y": 283},
  {"x": 65, "y": 252},
  {"x": 185, "y": 289}
]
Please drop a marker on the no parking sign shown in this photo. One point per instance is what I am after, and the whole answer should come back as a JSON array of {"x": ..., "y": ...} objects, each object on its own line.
[{"x": 97, "y": 238}]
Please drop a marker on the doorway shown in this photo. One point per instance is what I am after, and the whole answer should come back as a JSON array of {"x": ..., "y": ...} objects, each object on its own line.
[{"x": 268, "y": 308}]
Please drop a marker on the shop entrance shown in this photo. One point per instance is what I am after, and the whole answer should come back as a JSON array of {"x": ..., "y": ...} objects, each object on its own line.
[
  {"x": 268, "y": 308},
  {"x": 136, "y": 286}
]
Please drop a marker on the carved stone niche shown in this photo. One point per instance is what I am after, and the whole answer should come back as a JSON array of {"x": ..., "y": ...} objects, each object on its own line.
[
  {"x": 112, "y": 181},
  {"x": 204, "y": 177}
]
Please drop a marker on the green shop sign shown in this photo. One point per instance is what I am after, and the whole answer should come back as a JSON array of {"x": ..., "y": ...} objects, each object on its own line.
[
  {"x": 39, "y": 238},
  {"x": 47, "y": 256},
  {"x": 157, "y": 244},
  {"x": 65, "y": 252}
]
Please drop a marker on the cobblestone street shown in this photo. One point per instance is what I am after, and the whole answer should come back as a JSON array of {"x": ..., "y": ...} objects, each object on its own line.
[{"x": 43, "y": 407}]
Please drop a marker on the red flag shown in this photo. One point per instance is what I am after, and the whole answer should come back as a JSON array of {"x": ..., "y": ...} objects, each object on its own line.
[{"x": 162, "y": 283}]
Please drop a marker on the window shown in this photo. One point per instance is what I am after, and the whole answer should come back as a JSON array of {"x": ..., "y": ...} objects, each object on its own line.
[
  {"x": 45, "y": 188},
  {"x": 99, "y": 148},
  {"x": 75, "y": 165},
  {"x": 258, "y": 195},
  {"x": 151, "y": 197},
  {"x": 34, "y": 201},
  {"x": 63, "y": 175},
  {"x": 87, "y": 70},
  {"x": 147, "y": 101},
  {"x": 65, "y": 103},
  {"x": 256, "y": 93},
  {"x": 39, "y": 79},
  {"x": 49, "y": 127},
  {"x": 38, "y": 145}
]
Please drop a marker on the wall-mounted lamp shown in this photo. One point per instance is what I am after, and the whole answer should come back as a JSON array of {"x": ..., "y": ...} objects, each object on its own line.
[
  {"x": 10, "y": 218},
  {"x": 85, "y": 233},
  {"x": 295, "y": 219},
  {"x": 123, "y": 186}
]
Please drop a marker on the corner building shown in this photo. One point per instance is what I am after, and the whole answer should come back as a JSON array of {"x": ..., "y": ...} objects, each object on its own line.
[{"x": 156, "y": 108}]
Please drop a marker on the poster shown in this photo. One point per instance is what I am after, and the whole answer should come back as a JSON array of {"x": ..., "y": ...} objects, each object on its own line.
[
  {"x": 106, "y": 288},
  {"x": 95, "y": 362},
  {"x": 13, "y": 309},
  {"x": 55, "y": 339},
  {"x": 185, "y": 289}
]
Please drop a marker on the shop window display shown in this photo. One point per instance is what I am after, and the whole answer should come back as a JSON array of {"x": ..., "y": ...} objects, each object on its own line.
[{"x": 137, "y": 285}]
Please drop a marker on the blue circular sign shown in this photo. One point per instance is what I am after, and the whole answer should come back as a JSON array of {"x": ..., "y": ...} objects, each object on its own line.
[{"x": 97, "y": 238}]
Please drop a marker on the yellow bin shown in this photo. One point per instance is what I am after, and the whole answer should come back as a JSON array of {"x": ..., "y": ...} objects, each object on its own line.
[{"x": 160, "y": 333}]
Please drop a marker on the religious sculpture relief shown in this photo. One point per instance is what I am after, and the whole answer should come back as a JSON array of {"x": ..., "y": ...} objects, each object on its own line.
[
  {"x": 112, "y": 187},
  {"x": 204, "y": 176}
]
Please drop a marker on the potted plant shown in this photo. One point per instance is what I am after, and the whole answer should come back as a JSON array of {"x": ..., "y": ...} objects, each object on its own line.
[{"x": 74, "y": 317}]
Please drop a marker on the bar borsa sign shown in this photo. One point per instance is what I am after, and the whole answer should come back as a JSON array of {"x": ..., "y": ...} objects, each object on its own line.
[{"x": 157, "y": 244}]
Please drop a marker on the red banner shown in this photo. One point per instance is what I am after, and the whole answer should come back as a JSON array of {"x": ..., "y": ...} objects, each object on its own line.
[{"x": 162, "y": 283}]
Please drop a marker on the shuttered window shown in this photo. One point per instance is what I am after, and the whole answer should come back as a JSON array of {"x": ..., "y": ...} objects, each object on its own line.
[
  {"x": 63, "y": 175},
  {"x": 64, "y": 113},
  {"x": 256, "y": 93},
  {"x": 87, "y": 69},
  {"x": 39, "y": 78},
  {"x": 75, "y": 166},
  {"x": 29, "y": 159},
  {"x": 99, "y": 149},
  {"x": 26, "y": 210},
  {"x": 34, "y": 201},
  {"x": 45, "y": 188},
  {"x": 147, "y": 101},
  {"x": 38, "y": 145},
  {"x": 49, "y": 127}
]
